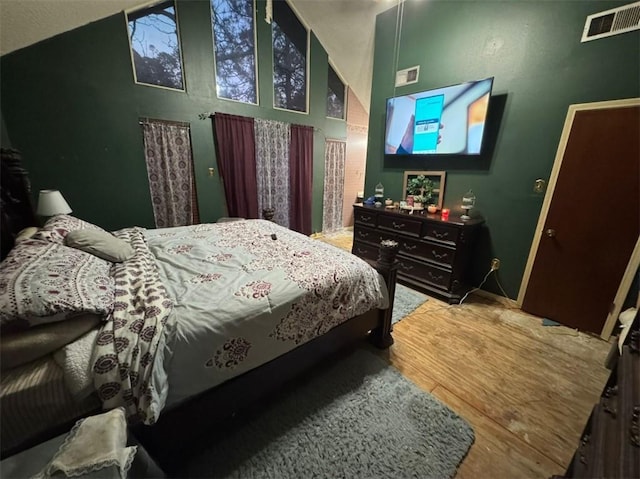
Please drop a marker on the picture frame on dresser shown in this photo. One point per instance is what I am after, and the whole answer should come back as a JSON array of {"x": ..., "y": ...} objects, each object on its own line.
[{"x": 437, "y": 177}]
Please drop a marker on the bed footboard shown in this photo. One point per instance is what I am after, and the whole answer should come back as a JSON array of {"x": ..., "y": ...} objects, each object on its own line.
[{"x": 387, "y": 266}]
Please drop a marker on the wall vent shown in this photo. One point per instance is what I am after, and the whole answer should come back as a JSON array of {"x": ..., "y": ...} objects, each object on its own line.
[
  {"x": 612, "y": 22},
  {"x": 409, "y": 75}
]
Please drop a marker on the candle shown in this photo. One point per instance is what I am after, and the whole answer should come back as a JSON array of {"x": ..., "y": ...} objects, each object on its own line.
[{"x": 445, "y": 213}]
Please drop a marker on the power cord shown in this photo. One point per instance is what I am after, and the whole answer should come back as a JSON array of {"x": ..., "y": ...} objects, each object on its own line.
[
  {"x": 480, "y": 286},
  {"x": 500, "y": 286}
]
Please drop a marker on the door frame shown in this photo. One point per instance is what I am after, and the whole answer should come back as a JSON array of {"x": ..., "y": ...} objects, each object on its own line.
[{"x": 634, "y": 260}]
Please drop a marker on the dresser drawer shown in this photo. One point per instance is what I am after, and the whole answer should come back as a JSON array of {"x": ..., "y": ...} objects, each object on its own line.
[
  {"x": 440, "y": 232},
  {"x": 400, "y": 224},
  {"x": 364, "y": 250},
  {"x": 369, "y": 235},
  {"x": 364, "y": 217},
  {"x": 433, "y": 275},
  {"x": 442, "y": 255}
]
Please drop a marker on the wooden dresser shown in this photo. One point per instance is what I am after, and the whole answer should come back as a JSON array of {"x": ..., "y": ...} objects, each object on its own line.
[
  {"x": 434, "y": 254},
  {"x": 610, "y": 443}
]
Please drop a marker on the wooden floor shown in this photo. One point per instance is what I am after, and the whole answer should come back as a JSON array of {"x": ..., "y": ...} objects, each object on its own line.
[{"x": 527, "y": 390}]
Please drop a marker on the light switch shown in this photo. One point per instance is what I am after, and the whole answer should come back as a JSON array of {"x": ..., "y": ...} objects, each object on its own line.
[{"x": 539, "y": 185}]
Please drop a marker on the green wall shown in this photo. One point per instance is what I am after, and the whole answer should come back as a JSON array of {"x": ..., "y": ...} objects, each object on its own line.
[
  {"x": 5, "y": 142},
  {"x": 72, "y": 108},
  {"x": 540, "y": 67}
]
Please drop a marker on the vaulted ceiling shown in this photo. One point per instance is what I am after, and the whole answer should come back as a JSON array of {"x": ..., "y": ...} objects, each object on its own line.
[{"x": 344, "y": 27}]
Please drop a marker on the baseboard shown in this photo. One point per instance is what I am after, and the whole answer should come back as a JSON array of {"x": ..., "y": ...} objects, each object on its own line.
[
  {"x": 510, "y": 303},
  {"x": 322, "y": 234}
]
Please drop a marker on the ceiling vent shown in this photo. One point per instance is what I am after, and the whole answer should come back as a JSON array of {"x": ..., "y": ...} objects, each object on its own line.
[{"x": 612, "y": 22}]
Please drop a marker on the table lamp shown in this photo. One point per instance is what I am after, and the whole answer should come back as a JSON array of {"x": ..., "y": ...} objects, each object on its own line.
[{"x": 51, "y": 203}]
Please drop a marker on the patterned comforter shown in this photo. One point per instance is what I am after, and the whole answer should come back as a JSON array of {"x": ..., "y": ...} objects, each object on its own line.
[{"x": 202, "y": 304}]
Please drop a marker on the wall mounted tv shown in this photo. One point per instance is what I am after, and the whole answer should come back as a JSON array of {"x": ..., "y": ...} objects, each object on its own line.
[{"x": 443, "y": 121}]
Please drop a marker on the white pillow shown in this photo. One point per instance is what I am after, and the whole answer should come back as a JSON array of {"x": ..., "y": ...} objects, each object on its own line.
[{"x": 101, "y": 244}]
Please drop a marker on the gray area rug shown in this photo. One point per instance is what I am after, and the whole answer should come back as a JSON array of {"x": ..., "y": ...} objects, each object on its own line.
[
  {"x": 406, "y": 301},
  {"x": 356, "y": 417}
]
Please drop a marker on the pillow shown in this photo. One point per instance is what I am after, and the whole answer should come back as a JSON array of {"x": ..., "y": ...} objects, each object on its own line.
[
  {"x": 26, "y": 233},
  {"x": 25, "y": 346},
  {"x": 101, "y": 244},
  {"x": 57, "y": 227},
  {"x": 42, "y": 282}
]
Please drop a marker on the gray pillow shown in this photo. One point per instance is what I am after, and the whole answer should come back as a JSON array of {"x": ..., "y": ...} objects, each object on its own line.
[{"x": 101, "y": 244}]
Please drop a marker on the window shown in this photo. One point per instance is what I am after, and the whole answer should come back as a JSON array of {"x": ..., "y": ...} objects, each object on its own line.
[
  {"x": 155, "y": 46},
  {"x": 290, "y": 44},
  {"x": 234, "y": 38},
  {"x": 335, "y": 96}
]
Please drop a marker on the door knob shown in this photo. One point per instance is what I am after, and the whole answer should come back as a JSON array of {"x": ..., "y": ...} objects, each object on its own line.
[{"x": 550, "y": 233}]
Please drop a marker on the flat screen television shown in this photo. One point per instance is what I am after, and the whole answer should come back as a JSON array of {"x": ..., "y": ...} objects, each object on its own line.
[{"x": 443, "y": 121}]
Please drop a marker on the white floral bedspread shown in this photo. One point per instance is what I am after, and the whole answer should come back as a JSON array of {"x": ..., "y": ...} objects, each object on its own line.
[
  {"x": 243, "y": 297},
  {"x": 128, "y": 356}
]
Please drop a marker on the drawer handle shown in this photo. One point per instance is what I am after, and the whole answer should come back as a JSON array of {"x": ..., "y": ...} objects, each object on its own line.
[
  {"x": 398, "y": 226},
  {"x": 365, "y": 218},
  {"x": 406, "y": 267},
  {"x": 581, "y": 449},
  {"x": 361, "y": 251},
  {"x": 439, "y": 256},
  {"x": 362, "y": 234},
  {"x": 634, "y": 429},
  {"x": 434, "y": 277},
  {"x": 440, "y": 235},
  {"x": 409, "y": 247}
]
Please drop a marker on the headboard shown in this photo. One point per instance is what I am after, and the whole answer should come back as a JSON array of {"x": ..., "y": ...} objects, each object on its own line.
[{"x": 16, "y": 208}]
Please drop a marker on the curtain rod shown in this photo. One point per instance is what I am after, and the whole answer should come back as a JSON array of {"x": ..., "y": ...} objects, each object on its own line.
[{"x": 144, "y": 120}]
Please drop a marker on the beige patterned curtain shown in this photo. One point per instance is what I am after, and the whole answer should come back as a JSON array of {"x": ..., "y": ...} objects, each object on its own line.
[
  {"x": 332, "y": 199},
  {"x": 167, "y": 147},
  {"x": 272, "y": 167}
]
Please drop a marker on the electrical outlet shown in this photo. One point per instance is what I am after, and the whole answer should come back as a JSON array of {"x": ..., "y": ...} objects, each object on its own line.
[{"x": 495, "y": 264}]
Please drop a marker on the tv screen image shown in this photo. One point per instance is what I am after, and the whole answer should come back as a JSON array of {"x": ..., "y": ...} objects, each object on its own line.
[{"x": 448, "y": 120}]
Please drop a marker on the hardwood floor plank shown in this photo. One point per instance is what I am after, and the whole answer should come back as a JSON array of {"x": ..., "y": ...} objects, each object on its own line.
[
  {"x": 496, "y": 452},
  {"x": 526, "y": 387}
]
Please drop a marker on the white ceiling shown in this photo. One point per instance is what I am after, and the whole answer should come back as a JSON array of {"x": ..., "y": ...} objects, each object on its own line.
[{"x": 344, "y": 27}]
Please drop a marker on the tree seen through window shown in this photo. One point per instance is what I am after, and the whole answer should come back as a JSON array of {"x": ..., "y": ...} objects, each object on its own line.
[
  {"x": 155, "y": 46},
  {"x": 290, "y": 41},
  {"x": 235, "y": 57},
  {"x": 335, "y": 95}
]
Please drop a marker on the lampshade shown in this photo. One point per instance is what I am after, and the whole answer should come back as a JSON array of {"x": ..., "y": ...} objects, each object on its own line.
[{"x": 51, "y": 203}]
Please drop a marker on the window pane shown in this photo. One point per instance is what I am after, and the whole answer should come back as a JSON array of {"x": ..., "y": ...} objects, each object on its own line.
[
  {"x": 155, "y": 46},
  {"x": 234, "y": 42},
  {"x": 290, "y": 40},
  {"x": 335, "y": 95}
]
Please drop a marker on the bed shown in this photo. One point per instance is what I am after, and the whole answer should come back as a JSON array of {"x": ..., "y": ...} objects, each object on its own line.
[{"x": 193, "y": 323}]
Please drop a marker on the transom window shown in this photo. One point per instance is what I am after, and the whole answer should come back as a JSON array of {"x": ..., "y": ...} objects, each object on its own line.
[
  {"x": 290, "y": 46},
  {"x": 234, "y": 37},
  {"x": 155, "y": 46},
  {"x": 336, "y": 94}
]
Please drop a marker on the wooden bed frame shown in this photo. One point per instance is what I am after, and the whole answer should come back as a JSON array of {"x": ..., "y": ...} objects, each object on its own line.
[{"x": 173, "y": 437}]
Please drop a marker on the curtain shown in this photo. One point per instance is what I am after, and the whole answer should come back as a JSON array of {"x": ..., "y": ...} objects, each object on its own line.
[
  {"x": 167, "y": 151},
  {"x": 235, "y": 149},
  {"x": 272, "y": 167},
  {"x": 333, "y": 196},
  {"x": 301, "y": 178}
]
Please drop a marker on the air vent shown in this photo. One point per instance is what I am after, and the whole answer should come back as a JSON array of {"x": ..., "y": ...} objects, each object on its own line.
[
  {"x": 612, "y": 22},
  {"x": 407, "y": 76}
]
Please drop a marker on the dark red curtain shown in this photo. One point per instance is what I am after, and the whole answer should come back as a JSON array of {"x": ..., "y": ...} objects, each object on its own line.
[
  {"x": 236, "y": 152},
  {"x": 301, "y": 178}
]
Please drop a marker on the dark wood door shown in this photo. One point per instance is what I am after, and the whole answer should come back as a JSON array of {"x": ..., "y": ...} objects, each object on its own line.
[{"x": 593, "y": 221}]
